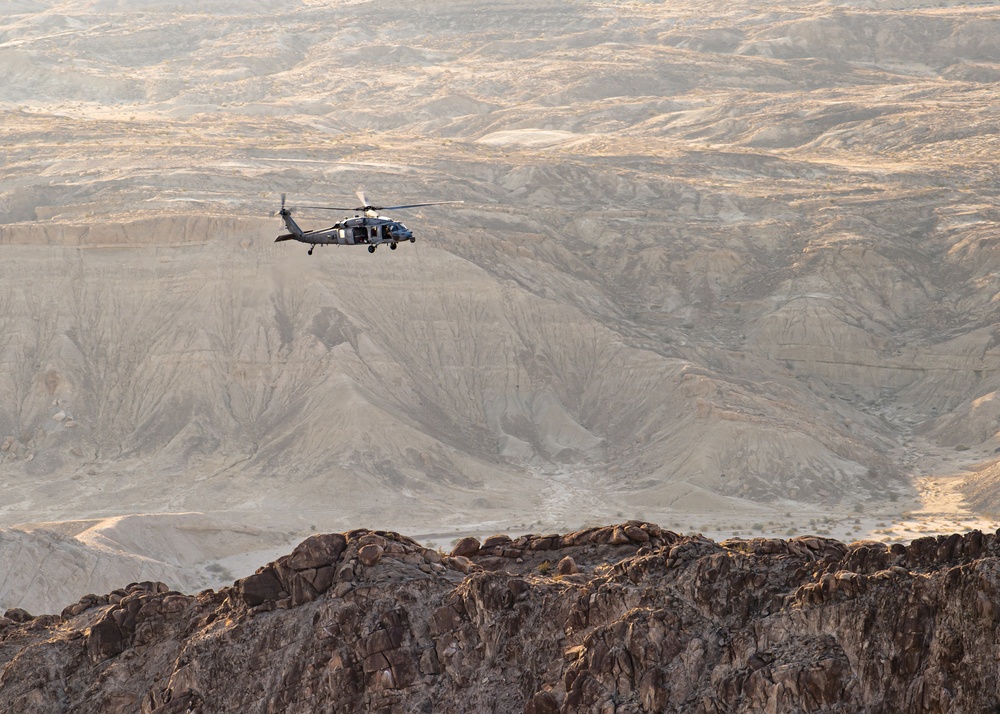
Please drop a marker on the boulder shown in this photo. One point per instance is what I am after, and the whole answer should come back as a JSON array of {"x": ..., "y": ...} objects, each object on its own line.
[
  {"x": 370, "y": 554},
  {"x": 567, "y": 566},
  {"x": 317, "y": 551},
  {"x": 259, "y": 587},
  {"x": 105, "y": 640},
  {"x": 466, "y": 547},
  {"x": 496, "y": 540},
  {"x": 16, "y": 614}
]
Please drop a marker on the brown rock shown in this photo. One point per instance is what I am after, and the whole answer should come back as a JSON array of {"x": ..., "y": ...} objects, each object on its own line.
[
  {"x": 466, "y": 547},
  {"x": 618, "y": 537},
  {"x": 344, "y": 572},
  {"x": 636, "y": 534},
  {"x": 372, "y": 539},
  {"x": 576, "y": 538},
  {"x": 446, "y": 619},
  {"x": 302, "y": 591},
  {"x": 395, "y": 549},
  {"x": 459, "y": 563},
  {"x": 496, "y": 540},
  {"x": 317, "y": 551},
  {"x": 323, "y": 578},
  {"x": 567, "y": 566},
  {"x": 542, "y": 703},
  {"x": 492, "y": 562},
  {"x": 105, "y": 639},
  {"x": 545, "y": 542},
  {"x": 16, "y": 614},
  {"x": 429, "y": 662},
  {"x": 258, "y": 588},
  {"x": 370, "y": 554}
]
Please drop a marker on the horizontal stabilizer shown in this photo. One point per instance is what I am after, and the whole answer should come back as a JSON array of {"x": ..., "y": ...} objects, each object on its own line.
[{"x": 287, "y": 236}]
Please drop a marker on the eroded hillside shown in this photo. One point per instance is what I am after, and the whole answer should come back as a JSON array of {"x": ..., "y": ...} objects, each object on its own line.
[{"x": 730, "y": 268}]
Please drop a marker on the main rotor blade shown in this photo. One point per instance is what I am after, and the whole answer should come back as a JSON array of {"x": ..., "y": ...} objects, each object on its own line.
[
  {"x": 417, "y": 205},
  {"x": 334, "y": 208},
  {"x": 361, "y": 196},
  {"x": 366, "y": 207}
]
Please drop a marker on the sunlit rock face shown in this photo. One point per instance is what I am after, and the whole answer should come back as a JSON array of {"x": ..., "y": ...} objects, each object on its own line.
[
  {"x": 645, "y": 620},
  {"x": 717, "y": 265}
]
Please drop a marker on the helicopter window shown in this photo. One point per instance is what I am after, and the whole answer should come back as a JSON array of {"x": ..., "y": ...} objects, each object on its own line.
[{"x": 374, "y": 231}]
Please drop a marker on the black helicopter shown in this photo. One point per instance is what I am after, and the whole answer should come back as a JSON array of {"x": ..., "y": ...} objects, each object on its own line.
[{"x": 366, "y": 228}]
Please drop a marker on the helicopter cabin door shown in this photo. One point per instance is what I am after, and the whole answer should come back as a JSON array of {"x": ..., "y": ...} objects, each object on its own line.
[{"x": 360, "y": 235}]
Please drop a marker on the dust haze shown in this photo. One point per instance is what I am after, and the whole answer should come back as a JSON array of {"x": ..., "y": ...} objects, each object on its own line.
[{"x": 727, "y": 268}]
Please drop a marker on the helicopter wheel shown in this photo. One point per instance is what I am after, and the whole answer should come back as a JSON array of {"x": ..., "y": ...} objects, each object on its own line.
[
  {"x": 311, "y": 250},
  {"x": 413, "y": 240},
  {"x": 371, "y": 249},
  {"x": 392, "y": 246}
]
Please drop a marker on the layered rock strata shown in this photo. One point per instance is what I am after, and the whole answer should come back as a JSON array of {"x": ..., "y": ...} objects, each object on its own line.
[{"x": 623, "y": 618}]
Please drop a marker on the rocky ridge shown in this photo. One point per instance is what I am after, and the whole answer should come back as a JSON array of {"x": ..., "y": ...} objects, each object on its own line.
[{"x": 622, "y": 618}]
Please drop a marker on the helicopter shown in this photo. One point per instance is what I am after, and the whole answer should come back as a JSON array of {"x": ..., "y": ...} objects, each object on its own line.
[{"x": 365, "y": 228}]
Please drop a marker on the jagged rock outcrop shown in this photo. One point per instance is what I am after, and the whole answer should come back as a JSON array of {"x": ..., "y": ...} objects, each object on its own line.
[{"x": 633, "y": 618}]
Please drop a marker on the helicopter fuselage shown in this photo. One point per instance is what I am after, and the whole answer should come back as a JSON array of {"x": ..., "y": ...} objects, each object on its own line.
[{"x": 359, "y": 230}]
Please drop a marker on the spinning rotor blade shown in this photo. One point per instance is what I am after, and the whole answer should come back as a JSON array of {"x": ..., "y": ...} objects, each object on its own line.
[
  {"x": 335, "y": 208},
  {"x": 365, "y": 207},
  {"x": 416, "y": 205}
]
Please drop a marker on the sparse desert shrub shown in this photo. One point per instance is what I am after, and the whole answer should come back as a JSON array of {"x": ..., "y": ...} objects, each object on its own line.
[
  {"x": 545, "y": 567},
  {"x": 219, "y": 571}
]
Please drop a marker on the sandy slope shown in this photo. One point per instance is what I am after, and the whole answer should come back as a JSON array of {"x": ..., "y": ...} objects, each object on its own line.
[{"x": 721, "y": 267}]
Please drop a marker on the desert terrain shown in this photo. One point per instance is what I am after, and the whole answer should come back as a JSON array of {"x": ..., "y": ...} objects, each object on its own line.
[{"x": 729, "y": 268}]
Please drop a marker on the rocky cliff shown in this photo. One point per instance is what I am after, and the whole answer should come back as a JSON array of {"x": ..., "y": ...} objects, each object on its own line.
[{"x": 623, "y": 618}]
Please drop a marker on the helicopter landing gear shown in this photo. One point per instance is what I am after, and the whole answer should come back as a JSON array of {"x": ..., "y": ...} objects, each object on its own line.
[
  {"x": 311, "y": 250},
  {"x": 412, "y": 239},
  {"x": 392, "y": 246},
  {"x": 371, "y": 249}
]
